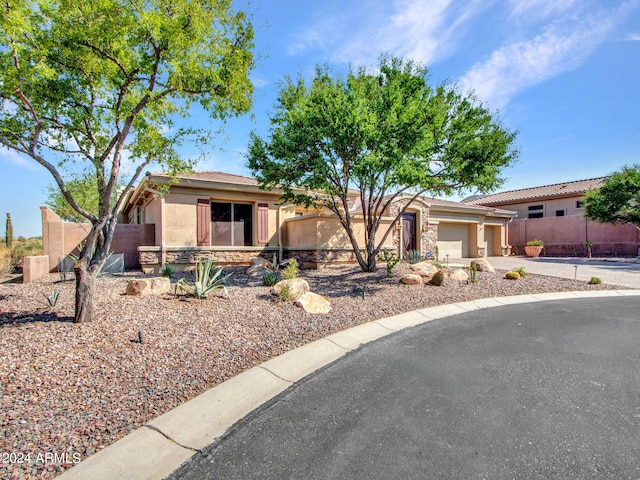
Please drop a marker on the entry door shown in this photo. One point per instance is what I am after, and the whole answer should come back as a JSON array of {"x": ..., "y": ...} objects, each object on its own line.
[{"x": 408, "y": 232}]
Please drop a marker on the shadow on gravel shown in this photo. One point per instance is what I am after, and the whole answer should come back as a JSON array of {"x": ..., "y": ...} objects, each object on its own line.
[{"x": 7, "y": 318}]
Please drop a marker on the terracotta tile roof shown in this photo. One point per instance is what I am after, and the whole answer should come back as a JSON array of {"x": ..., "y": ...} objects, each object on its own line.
[{"x": 565, "y": 189}]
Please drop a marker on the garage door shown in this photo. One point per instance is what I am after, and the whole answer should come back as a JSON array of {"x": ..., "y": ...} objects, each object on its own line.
[{"x": 453, "y": 240}]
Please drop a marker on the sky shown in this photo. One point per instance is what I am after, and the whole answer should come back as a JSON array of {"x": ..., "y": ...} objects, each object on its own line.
[{"x": 564, "y": 73}]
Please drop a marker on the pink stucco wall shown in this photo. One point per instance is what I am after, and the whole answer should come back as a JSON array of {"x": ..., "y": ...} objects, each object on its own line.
[{"x": 566, "y": 236}]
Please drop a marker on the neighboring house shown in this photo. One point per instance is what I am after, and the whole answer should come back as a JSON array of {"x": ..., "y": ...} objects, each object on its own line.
[
  {"x": 229, "y": 219},
  {"x": 557, "y": 200},
  {"x": 554, "y": 214}
]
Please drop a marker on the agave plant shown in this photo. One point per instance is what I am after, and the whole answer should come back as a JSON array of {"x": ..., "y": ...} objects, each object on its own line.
[
  {"x": 414, "y": 256},
  {"x": 207, "y": 279}
]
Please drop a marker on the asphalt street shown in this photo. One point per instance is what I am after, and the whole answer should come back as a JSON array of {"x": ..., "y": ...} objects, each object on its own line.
[{"x": 530, "y": 391}]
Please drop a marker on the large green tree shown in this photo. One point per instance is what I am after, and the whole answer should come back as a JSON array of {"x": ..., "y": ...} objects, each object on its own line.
[
  {"x": 618, "y": 200},
  {"x": 84, "y": 85},
  {"x": 385, "y": 134}
]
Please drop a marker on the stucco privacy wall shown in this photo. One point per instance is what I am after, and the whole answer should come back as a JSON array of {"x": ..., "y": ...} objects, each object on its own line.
[
  {"x": 566, "y": 236},
  {"x": 549, "y": 207},
  {"x": 59, "y": 239}
]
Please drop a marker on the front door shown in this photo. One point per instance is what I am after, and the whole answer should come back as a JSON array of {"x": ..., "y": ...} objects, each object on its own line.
[{"x": 408, "y": 232}]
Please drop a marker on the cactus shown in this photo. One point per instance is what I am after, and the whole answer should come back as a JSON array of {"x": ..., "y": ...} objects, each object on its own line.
[
  {"x": 512, "y": 276},
  {"x": 8, "y": 236},
  {"x": 474, "y": 271},
  {"x": 595, "y": 281},
  {"x": 437, "y": 278}
]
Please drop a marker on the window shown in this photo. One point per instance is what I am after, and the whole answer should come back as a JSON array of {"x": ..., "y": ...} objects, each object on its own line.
[
  {"x": 231, "y": 224},
  {"x": 579, "y": 204},
  {"x": 559, "y": 213},
  {"x": 534, "y": 211}
]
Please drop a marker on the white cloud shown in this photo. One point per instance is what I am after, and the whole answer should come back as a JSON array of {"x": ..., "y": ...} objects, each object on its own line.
[
  {"x": 539, "y": 8},
  {"x": 18, "y": 159},
  {"x": 634, "y": 37},
  {"x": 563, "y": 45}
]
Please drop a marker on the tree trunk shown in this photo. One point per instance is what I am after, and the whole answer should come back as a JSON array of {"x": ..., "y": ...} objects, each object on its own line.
[{"x": 85, "y": 282}]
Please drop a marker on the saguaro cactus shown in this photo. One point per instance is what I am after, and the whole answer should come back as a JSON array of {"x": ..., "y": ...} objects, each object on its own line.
[{"x": 8, "y": 235}]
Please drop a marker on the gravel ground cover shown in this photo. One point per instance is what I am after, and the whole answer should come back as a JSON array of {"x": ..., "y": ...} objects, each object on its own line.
[{"x": 69, "y": 390}]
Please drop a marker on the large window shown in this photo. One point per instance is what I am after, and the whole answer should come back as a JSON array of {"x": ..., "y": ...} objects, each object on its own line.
[
  {"x": 231, "y": 224},
  {"x": 536, "y": 211}
]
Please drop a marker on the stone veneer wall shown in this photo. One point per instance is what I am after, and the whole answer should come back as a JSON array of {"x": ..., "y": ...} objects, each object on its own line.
[
  {"x": 152, "y": 256},
  {"x": 428, "y": 232}
]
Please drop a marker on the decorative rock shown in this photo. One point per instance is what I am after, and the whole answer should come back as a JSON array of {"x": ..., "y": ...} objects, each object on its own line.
[
  {"x": 148, "y": 286},
  {"x": 297, "y": 288},
  {"x": 313, "y": 303},
  {"x": 424, "y": 269},
  {"x": 257, "y": 270},
  {"x": 483, "y": 265},
  {"x": 262, "y": 262},
  {"x": 459, "y": 275},
  {"x": 412, "y": 279}
]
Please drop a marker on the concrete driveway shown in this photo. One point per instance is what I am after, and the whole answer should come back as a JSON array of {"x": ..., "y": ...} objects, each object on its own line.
[
  {"x": 624, "y": 273},
  {"x": 538, "y": 390}
]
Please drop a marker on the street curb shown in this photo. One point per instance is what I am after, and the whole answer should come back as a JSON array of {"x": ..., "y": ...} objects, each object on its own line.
[{"x": 162, "y": 445}]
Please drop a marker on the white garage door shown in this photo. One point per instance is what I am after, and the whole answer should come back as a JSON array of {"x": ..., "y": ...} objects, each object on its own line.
[{"x": 453, "y": 240}]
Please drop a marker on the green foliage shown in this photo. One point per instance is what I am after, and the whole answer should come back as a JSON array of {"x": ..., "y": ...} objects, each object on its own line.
[
  {"x": 270, "y": 279},
  {"x": 437, "y": 279},
  {"x": 391, "y": 259},
  {"x": 512, "y": 275},
  {"x": 291, "y": 270},
  {"x": 285, "y": 293},
  {"x": 167, "y": 271},
  {"x": 594, "y": 281},
  {"x": 84, "y": 84},
  {"x": 474, "y": 272},
  {"x": 84, "y": 189},
  {"x": 535, "y": 243},
  {"x": 618, "y": 200},
  {"x": 8, "y": 233},
  {"x": 207, "y": 279},
  {"x": 413, "y": 256},
  {"x": 521, "y": 271},
  {"x": 53, "y": 299},
  {"x": 383, "y": 132},
  {"x": 437, "y": 265}
]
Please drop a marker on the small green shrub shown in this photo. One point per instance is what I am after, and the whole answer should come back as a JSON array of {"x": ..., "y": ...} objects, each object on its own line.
[
  {"x": 285, "y": 293},
  {"x": 291, "y": 270},
  {"x": 474, "y": 272},
  {"x": 535, "y": 243},
  {"x": 167, "y": 271},
  {"x": 413, "y": 256},
  {"x": 512, "y": 276},
  {"x": 437, "y": 265},
  {"x": 391, "y": 259},
  {"x": 53, "y": 299},
  {"x": 207, "y": 279},
  {"x": 437, "y": 279},
  {"x": 595, "y": 281},
  {"x": 270, "y": 279},
  {"x": 521, "y": 271}
]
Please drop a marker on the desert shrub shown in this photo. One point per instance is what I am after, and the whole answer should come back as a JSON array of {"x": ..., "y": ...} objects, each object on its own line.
[
  {"x": 437, "y": 279},
  {"x": 521, "y": 271},
  {"x": 167, "y": 271},
  {"x": 207, "y": 279},
  {"x": 594, "y": 281},
  {"x": 270, "y": 279},
  {"x": 391, "y": 259},
  {"x": 285, "y": 293},
  {"x": 512, "y": 276},
  {"x": 413, "y": 256},
  {"x": 6, "y": 265},
  {"x": 291, "y": 270},
  {"x": 53, "y": 299},
  {"x": 535, "y": 243}
]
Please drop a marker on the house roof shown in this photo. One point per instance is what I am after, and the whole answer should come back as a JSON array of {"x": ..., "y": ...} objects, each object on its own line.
[
  {"x": 565, "y": 189},
  {"x": 211, "y": 176}
]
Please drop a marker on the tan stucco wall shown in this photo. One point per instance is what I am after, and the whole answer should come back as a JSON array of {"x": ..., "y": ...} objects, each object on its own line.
[{"x": 549, "y": 207}]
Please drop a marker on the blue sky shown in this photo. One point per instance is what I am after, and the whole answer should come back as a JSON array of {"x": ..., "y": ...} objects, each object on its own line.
[{"x": 564, "y": 73}]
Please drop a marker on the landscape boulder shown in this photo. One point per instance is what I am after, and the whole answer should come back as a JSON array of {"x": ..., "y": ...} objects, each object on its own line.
[
  {"x": 297, "y": 288},
  {"x": 424, "y": 269},
  {"x": 412, "y": 279},
  {"x": 262, "y": 262},
  {"x": 148, "y": 286},
  {"x": 313, "y": 303},
  {"x": 258, "y": 271},
  {"x": 459, "y": 275},
  {"x": 482, "y": 265}
]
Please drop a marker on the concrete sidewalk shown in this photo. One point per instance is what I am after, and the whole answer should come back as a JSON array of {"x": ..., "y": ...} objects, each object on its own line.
[
  {"x": 162, "y": 445},
  {"x": 610, "y": 271}
]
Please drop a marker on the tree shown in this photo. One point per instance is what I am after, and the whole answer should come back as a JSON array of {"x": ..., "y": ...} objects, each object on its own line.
[
  {"x": 88, "y": 83},
  {"x": 84, "y": 189},
  {"x": 384, "y": 134},
  {"x": 618, "y": 200}
]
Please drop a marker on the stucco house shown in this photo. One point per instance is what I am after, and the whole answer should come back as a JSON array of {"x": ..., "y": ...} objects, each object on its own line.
[
  {"x": 557, "y": 200},
  {"x": 229, "y": 219},
  {"x": 555, "y": 214}
]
